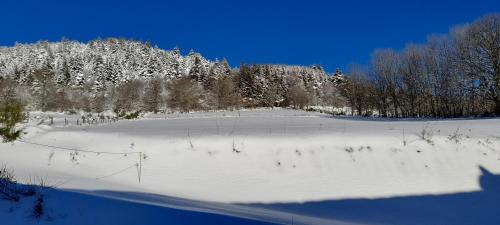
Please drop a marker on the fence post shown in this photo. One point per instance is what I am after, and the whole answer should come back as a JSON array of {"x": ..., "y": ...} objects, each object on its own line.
[{"x": 139, "y": 171}]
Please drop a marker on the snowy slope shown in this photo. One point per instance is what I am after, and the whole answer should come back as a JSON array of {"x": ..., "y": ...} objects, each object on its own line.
[{"x": 268, "y": 157}]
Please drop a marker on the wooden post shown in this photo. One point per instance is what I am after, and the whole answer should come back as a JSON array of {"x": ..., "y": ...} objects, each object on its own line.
[{"x": 139, "y": 171}]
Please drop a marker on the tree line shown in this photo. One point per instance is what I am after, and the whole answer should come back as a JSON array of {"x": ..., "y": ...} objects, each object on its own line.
[
  {"x": 451, "y": 75},
  {"x": 126, "y": 75},
  {"x": 219, "y": 87}
]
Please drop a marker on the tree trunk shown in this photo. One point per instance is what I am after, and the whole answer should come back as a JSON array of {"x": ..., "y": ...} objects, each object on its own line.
[
  {"x": 496, "y": 77},
  {"x": 497, "y": 106}
]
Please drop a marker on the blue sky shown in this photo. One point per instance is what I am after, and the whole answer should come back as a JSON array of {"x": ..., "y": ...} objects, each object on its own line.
[{"x": 330, "y": 33}]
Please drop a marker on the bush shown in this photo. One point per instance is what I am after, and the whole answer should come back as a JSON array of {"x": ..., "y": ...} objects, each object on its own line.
[
  {"x": 10, "y": 115},
  {"x": 6, "y": 176},
  {"x": 9, "y": 190},
  {"x": 71, "y": 112},
  {"x": 38, "y": 209},
  {"x": 9, "y": 135},
  {"x": 131, "y": 116}
]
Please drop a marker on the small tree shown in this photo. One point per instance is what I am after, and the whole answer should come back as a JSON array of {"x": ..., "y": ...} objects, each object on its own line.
[{"x": 10, "y": 115}]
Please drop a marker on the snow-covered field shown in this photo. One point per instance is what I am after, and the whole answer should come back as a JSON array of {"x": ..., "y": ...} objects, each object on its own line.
[{"x": 271, "y": 165}]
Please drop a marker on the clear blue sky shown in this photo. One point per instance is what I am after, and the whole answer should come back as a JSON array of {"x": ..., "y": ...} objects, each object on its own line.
[{"x": 331, "y": 33}]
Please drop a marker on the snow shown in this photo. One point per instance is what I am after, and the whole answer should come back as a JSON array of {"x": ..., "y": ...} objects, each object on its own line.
[{"x": 267, "y": 165}]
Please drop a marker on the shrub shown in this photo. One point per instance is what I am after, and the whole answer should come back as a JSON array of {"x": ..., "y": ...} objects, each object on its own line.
[
  {"x": 38, "y": 208},
  {"x": 10, "y": 115},
  {"x": 131, "y": 116},
  {"x": 8, "y": 190}
]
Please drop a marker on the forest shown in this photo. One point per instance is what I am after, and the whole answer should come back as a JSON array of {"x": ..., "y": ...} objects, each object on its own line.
[{"x": 451, "y": 75}]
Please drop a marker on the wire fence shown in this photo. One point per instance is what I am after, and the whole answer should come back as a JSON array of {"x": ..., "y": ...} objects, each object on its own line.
[{"x": 138, "y": 165}]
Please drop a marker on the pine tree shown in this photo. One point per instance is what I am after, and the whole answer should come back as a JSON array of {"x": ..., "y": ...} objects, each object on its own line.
[
  {"x": 247, "y": 82},
  {"x": 100, "y": 74},
  {"x": 197, "y": 72},
  {"x": 63, "y": 76}
]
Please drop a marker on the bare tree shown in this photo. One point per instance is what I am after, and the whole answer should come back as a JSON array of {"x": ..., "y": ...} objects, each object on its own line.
[
  {"x": 483, "y": 55},
  {"x": 331, "y": 96},
  {"x": 184, "y": 94},
  {"x": 128, "y": 97},
  {"x": 98, "y": 103},
  {"x": 298, "y": 96},
  {"x": 413, "y": 82},
  {"x": 152, "y": 95},
  {"x": 7, "y": 90},
  {"x": 60, "y": 101},
  {"x": 385, "y": 68},
  {"x": 44, "y": 87},
  {"x": 357, "y": 90},
  {"x": 224, "y": 92}
]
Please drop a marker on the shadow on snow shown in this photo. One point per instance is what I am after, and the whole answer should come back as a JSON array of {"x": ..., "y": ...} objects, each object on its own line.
[
  {"x": 112, "y": 207},
  {"x": 468, "y": 208}
]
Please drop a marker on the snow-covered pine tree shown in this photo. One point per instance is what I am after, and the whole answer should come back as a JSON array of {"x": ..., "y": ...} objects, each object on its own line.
[
  {"x": 63, "y": 74},
  {"x": 197, "y": 72},
  {"x": 114, "y": 70},
  {"x": 246, "y": 83},
  {"x": 174, "y": 64},
  {"x": 100, "y": 74}
]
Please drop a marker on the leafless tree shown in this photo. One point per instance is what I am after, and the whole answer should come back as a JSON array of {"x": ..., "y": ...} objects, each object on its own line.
[
  {"x": 298, "y": 96},
  {"x": 44, "y": 87},
  {"x": 357, "y": 90},
  {"x": 483, "y": 55},
  {"x": 331, "y": 95},
  {"x": 224, "y": 93},
  {"x": 7, "y": 91},
  {"x": 184, "y": 94},
  {"x": 98, "y": 103},
  {"x": 385, "y": 70},
  {"x": 128, "y": 96},
  {"x": 152, "y": 95},
  {"x": 60, "y": 101}
]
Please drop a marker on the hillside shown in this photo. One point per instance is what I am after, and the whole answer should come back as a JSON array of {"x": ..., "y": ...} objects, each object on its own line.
[
  {"x": 271, "y": 165},
  {"x": 73, "y": 73}
]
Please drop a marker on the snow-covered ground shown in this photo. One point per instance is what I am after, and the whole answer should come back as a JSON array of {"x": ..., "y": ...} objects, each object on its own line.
[{"x": 269, "y": 165}]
